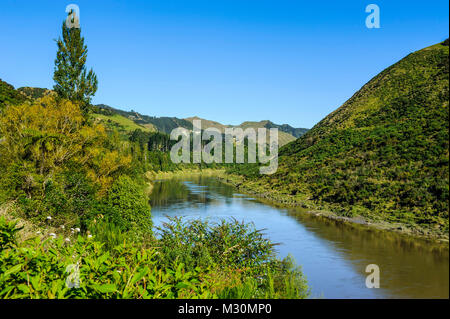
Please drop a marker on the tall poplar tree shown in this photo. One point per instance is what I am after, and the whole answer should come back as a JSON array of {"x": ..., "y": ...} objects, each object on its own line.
[{"x": 72, "y": 81}]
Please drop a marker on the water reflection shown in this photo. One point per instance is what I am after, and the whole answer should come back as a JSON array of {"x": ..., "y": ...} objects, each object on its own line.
[{"x": 333, "y": 254}]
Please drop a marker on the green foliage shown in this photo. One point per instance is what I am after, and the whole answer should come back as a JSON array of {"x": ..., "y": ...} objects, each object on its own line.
[
  {"x": 200, "y": 243},
  {"x": 34, "y": 93},
  {"x": 107, "y": 232},
  {"x": 47, "y": 269},
  {"x": 67, "y": 197},
  {"x": 119, "y": 123},
  {"x": 57, "y": 164},
  {"x": 41, "y": 270},
  {"x": 383, "y": 154},
  {"x": 127, "y": 205},
  {"x": 73, "y": 82},
  {"x": 282, "y": 280},
  {"x": 8, "y": 95},
  {"x": 237, "y": 247},
  {"x": 8, "y": 231}
]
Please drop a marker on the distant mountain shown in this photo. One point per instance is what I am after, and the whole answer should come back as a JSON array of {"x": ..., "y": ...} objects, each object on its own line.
[
  {"x": 285, "y": 131},
  {"x": 167, "y": 124},
  {"x": 208, "y": 123},
  {"x": 296, "y": 132},
  {"x": 384, "y": 153}
]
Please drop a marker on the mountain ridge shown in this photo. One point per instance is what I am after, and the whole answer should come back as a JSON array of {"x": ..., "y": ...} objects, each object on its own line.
[{"x": 167, "y": 124}]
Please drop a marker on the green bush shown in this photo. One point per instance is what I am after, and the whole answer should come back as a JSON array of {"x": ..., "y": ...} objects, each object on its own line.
[
  {"x": 127, "y": 206},
  {"x": 8, "y": 232},
  {"x": 45, "y": 269},
  {"x": 201, "y": 243},
  {"x": 107, "y": 233},
  {"x": 236, "y": 247},
  {"x": 48, "y": 269}
]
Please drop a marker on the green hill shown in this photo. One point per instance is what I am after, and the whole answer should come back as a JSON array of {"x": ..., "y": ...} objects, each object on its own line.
[
  {"x": 121, "y": 123},
  {"x": 384, "y": 154},
  {"x": 9, "y": 95},
  {"x": 161, "y": 124}
]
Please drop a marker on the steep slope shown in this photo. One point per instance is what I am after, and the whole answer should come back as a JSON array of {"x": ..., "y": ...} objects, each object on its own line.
[{"x": 384, "y": 154}]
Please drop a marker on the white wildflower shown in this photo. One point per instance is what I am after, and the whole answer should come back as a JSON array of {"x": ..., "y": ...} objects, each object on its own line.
[
  {"x": 89, "y": 236},
  {"x": 49, "y": 217},
  {"x": 67, "y": 239},
  {"x": 52, "y": 235},
  {"x": 77, "y": 230}
]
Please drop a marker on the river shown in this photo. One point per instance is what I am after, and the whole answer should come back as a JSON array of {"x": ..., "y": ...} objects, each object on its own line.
[{"x": 333, "y": 255}]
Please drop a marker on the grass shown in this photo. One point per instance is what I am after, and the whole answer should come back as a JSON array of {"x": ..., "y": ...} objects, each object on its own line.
[{"x": 123, "y": 123}]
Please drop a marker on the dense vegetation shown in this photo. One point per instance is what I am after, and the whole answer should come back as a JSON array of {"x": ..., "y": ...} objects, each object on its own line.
[
  {"x": 383, "y": 155},
  {"x": 8, "y": 95},
  {"x": 84, "y": 184},
  {"x": 182, "y": 264},
  {"x": 75, "y": 219},
  {"x": 55, "y": 164},
  {"x": 34, "y": 93}
]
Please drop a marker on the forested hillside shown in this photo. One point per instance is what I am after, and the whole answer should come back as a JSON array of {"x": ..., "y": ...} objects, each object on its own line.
[{"x": 384, "y": 154}]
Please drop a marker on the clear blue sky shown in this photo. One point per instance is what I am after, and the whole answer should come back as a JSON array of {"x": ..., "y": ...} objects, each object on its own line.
[{"x": 225, "y": 60}]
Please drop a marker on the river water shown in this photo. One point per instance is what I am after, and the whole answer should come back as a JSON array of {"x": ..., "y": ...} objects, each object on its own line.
[{"x": 333, "y": 255}]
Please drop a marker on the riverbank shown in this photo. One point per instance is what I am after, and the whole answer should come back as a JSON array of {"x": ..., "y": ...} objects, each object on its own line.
[
  {"x": 275, "y": 198},
  {"x": 152, "y": 175},
  {"x": 285, "y": 200}
]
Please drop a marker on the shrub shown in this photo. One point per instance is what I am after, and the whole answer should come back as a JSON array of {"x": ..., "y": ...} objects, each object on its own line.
[
  {"x": 242, "y": 261},
  {"x": 44, "y": 269},
  {"x": 127, "y": 205},
  {"x": 48, "y": 269},
  {"x": 201, "y": 243}
]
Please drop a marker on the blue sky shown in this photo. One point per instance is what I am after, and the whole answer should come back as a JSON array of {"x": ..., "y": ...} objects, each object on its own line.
[{"x": 226, "y": 60}]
